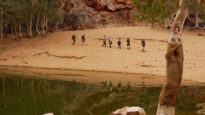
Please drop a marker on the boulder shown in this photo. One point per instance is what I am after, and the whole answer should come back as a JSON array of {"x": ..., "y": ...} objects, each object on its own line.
[
  {"x": 129, "y": 111},
  {"x": 77, "y": 20},
  {"x": 48, "y": 114},
  {"x": 201, "y": 106}
]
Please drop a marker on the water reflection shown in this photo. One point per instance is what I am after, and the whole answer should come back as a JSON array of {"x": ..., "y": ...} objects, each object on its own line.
[{"x": 35, "y": 97}]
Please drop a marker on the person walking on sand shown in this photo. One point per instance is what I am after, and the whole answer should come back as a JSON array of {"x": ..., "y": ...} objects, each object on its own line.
[
  {"x": 143, "y": 45},
  {"x": 83, "y": 39},
  {"x": 119, "y": 43},
  {"x": 104, "y": 42},
  {"x": 110, "y": 42},
  {"x": 128, "y": 43},
  {"x": 74, "y": 39}
]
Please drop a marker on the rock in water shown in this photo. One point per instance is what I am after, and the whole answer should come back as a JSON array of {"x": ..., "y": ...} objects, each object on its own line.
[
  {"x": 129, "y": 111},
  {"x": 201, "y": 106},
  {"x": 48, "y": 114}
]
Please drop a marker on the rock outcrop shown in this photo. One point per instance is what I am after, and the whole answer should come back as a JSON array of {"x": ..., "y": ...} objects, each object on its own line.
[
  {"x": 97, "y": 13},
  {"x": 110, "y": 5}
]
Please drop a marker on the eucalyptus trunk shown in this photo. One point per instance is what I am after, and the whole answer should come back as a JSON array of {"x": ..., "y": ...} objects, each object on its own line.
[
  {"x": 12, "y": 30},
  {"x": 1, "y": 24},
  {"x": 174, "y": 64},
  {"x": 19, "y": 29},
  {"x": 197, "y": 13},
  {"x": 30, "y": 32},
  {"x": 15, "y": 30},
  {"x": 43, "y": 26},
  {"x": 46, "y": 24},
  {"x": 37, "y": 24}
]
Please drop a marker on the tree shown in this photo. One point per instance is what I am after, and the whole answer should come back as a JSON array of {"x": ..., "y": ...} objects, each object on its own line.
[
  {"x": 27, "y": 18},
  {"x": 174, "y": 65}
]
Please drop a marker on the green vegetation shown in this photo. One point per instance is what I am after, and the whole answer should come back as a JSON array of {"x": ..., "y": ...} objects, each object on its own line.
[
  {"x": 157, "y": 11},
  {"x": 27, "y": 18},
  {"x": 202, "y": 11}
]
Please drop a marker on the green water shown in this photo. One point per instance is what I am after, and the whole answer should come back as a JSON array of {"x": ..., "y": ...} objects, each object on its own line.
[{"x": 20, "y": 96}]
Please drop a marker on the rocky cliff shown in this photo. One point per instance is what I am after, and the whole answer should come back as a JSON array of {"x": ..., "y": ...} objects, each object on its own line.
[{"x": 85, "y": 14}]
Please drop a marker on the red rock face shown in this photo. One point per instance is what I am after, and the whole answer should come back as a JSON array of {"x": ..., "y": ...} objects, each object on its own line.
[
  {"x": 110, "y": 5},
  {"x": 98, "y": 13},
  {"x": 68, "y": 6},
  {"x": 97, "y": 4}
]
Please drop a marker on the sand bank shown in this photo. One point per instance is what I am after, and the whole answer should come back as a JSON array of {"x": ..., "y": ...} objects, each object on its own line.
[{"x": 56, "y": 51}]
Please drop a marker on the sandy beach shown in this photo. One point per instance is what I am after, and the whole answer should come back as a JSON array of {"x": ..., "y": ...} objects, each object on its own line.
[{"x": 56, "y": 51}]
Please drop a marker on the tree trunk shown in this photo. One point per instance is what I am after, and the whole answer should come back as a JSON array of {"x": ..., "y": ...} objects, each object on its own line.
[
  {"x": 1, "y": 24},
  {"x": 20, "y": 29},
  {"x": 197, "y": 13},
  {"x": 46, "y": 24},
  {"x": 15, "y": 30},
  {"x": 174, "y": 65},
  {"x": 37, "y": 24},
  {"x": 43, "y": 26},
  {"x": 30, "y": 32},
  {"x": 12, "y": 30}
]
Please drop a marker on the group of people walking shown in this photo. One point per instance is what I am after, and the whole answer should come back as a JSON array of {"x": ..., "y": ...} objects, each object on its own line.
[
  {"x": 119, "y": 43},
  {"x": 109, "y": 39},
  {"x": 74, "y": 39},
  {"x": 105, "y": 42}
]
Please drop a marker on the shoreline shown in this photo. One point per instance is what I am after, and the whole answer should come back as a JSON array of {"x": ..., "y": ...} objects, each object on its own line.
[
  {"x": 47, "y": 68},
  {"x": 30, "y": 72}
]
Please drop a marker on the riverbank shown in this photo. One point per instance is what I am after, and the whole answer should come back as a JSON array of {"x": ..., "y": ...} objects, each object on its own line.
[
  {"x": 56, "y": 51},
  {"x": 89, "y": 77}
]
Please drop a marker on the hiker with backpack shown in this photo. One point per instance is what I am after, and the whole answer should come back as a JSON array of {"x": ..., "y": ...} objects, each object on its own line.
[
  {"x": 128, "y": 43},
  {"x": 110, "y": 42},
  {"x": 143, "y": 45},
  {"x": 119, "y": 43},
  {"x": 83, "y": 39},
  {"x": 74, "y": 39},
  {"x": 104, "y": 42}
]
